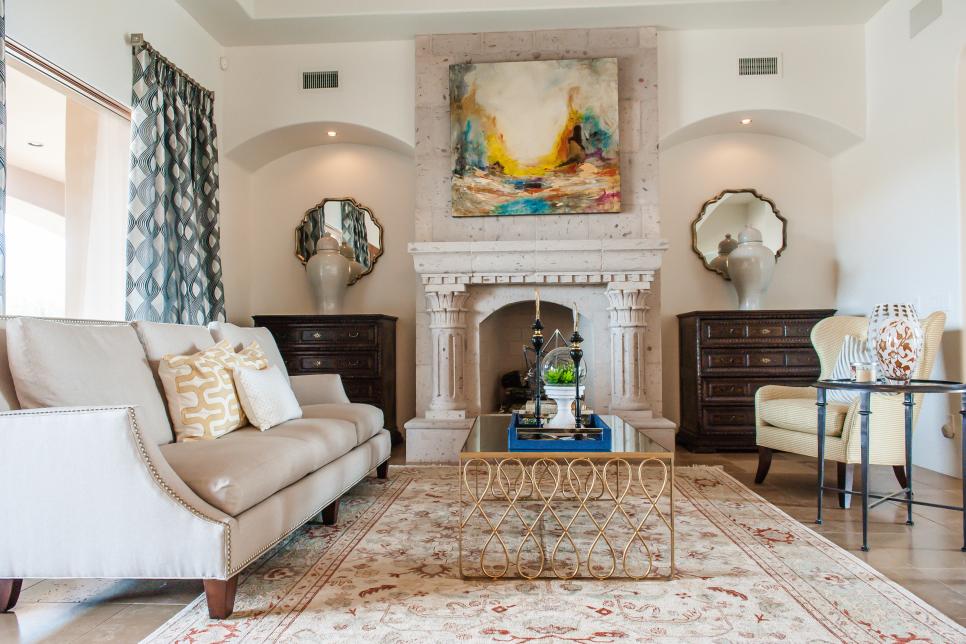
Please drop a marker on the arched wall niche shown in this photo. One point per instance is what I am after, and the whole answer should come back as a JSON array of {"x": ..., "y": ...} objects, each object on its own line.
[
  {"x": 273, "y": 144},
  {"x": 821, "y": 135}
]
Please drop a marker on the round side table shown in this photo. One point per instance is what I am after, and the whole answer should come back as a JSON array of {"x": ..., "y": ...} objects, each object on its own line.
[{"x": 865, "y": 391}]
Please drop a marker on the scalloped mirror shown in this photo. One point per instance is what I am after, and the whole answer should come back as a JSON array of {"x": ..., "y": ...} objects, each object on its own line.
[
  {"x": 714, "y": 234},
  {"x": 353, "y": 225}
]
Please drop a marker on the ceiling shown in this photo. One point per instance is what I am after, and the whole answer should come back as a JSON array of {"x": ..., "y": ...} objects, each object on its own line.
[{"x": 273, "y": 22}]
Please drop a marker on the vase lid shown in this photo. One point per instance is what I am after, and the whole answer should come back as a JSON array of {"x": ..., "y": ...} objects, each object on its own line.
[
  {"x": 727, "y": 244},
  {"x": 749, "y": 234},
  {"x": 327, "y": 242}
]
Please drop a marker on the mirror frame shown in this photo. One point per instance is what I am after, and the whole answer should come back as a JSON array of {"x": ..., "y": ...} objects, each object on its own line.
[
  {"x": 321, "y": 206},
  {"x": 718, "y": 197}
]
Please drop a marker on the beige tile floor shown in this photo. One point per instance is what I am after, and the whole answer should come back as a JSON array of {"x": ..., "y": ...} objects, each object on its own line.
[{"x": 924, "y": 558}]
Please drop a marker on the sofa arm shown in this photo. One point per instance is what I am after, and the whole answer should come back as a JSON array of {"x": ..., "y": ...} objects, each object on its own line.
[
  {"x": 319, "y": 388},
  {"x": 86, "y": 495}
]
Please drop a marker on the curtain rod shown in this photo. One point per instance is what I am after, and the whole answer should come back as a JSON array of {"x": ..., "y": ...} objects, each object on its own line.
[{"x": 137, "y": 40}]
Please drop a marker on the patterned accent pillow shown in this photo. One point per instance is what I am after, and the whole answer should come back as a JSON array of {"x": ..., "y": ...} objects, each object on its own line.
[
  {"x": 853, "y": 350},
  {"x": 202, "y": 398},
  {"x": 266, "y": 396}
]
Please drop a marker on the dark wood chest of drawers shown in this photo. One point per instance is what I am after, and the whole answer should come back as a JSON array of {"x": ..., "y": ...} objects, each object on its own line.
[
  {"x": 725, "y": 356},
  {"x": 360, "y": 348}
]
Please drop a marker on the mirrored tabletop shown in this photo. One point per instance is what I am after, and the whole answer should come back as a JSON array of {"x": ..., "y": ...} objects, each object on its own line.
[{"x": 489, "y": 436}]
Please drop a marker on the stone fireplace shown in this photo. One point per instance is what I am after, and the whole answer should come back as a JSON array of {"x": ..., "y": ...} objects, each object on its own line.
[
  {"x": 471, "y": 267},
  {"x": 466, "y": 282}
]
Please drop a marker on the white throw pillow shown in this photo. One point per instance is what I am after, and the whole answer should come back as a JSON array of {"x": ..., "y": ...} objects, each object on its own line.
[
  {"x": 853, "y": 350},
  {"x": 266, "y": 396}
]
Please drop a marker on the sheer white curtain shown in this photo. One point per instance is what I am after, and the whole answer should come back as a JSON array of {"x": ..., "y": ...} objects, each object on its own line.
[{"x": 96, "y": 211}]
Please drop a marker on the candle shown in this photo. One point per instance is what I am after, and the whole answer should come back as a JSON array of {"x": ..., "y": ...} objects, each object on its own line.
[
  {"x": 575, "y": 317},
  {"x": 537, "y": 294}
]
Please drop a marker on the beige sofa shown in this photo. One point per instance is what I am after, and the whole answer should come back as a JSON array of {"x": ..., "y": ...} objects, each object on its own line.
[{"x": 99, "y": 488}]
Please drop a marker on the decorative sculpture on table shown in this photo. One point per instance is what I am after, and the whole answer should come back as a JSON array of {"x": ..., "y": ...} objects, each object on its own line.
[{"x": 895, "y": 338}]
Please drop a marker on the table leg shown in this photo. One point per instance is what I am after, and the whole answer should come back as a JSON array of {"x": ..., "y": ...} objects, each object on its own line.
[
  {"x": 864, "y": 404},
  {"x": 908, "y": 403},
  {"x": 962, "y": 433},
  {"x": 821, "y": 404}
]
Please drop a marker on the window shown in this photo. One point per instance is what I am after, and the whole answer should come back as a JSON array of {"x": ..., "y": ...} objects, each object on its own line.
[{"x": 66, "y": 211}]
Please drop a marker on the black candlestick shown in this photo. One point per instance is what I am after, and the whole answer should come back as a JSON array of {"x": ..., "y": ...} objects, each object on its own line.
[
  {"x": 537, "y": 341},
  {"x": 576, "y": 354}
]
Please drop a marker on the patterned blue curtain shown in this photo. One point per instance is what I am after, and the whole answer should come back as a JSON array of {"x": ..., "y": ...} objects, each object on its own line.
[
  {"x": 173, "y": 243},
  {"x": 3, "y": 157},
  {"x": 354, "y": 232}
]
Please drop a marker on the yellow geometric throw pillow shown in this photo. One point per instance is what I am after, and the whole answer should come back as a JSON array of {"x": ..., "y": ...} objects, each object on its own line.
[{"x": 201, "y": 394}]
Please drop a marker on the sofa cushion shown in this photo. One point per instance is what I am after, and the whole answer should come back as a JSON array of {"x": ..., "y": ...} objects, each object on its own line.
[
  {"x": 243, "y": 336},
  {"x": 368, "y": 420},
  {"x": 202, "y": 399},
  {"x": 245, "y": 467},
  {"x": 66, "y": 365},
  {"x": 161, "y": 339},
  {"x": 800, "y": 415},
  {"x": 8, "y": 394}
]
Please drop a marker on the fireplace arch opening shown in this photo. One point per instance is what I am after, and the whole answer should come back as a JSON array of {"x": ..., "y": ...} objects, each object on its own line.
[{"x": 505, "y": 332}]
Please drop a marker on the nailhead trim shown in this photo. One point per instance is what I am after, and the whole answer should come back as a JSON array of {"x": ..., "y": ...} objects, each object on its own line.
[{"x": 136, "y": 431}]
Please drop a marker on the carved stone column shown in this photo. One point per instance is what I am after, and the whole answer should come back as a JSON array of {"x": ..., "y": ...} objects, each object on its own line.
[
  {"x": 447, "y": 322},
  {"x": 627, "y": 346}
]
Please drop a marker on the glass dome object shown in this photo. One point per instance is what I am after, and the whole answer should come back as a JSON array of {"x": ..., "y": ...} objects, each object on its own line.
[{"x": 558, "y": 368}]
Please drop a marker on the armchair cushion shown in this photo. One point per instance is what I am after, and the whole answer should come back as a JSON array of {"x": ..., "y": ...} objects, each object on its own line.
[
  {"x": 367, "y": 419},
  {"x": 800, "y": 415},
  {"x": 243, "y": 468}
]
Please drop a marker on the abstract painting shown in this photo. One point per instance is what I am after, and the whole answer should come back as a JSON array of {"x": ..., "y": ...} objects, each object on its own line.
[{"x": 535, "y": 137}]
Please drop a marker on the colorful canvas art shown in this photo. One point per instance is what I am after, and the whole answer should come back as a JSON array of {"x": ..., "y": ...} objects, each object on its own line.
[{"x": 535, "y": 137}]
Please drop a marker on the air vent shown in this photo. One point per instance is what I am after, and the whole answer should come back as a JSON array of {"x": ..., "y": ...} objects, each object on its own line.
[
  {"x": 759, "y": 66},
  {"x": 320, "y": 80}
]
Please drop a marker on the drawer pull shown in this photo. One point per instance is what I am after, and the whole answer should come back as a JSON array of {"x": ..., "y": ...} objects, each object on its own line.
[
  {"x": 353, "y": 334},
  {"x": 766, "y": 331},
  {"x": 318, "y": 363},
  {"x": 354, "y": 363},
  {"x": 766, "y": 360},
  {"x": 316, "y": 335}
]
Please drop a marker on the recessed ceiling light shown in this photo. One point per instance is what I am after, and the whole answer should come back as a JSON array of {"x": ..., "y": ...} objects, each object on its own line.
[
  {"x": 745, "y": 121},
  {"x": 35, "y": 144},
  {"x": 331, "y": 132}
]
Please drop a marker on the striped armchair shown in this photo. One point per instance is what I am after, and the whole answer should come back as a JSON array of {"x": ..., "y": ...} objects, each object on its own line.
[{"x": 786, "y": 417}]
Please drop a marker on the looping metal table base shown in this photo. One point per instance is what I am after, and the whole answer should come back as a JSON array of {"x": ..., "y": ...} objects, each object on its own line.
[{"x": 566, "y": 517}]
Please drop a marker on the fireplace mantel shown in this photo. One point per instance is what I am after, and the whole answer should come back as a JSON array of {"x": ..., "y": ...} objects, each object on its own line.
[
  {"x": 585, "y": 261},
  {"x": 465, "y": 282}
]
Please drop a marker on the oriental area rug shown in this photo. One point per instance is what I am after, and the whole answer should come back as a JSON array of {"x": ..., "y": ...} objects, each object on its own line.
[{"x": 745, "y": 572}]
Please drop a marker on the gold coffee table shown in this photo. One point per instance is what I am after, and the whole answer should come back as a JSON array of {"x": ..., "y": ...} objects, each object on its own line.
[{"x": 566, "y": 514}]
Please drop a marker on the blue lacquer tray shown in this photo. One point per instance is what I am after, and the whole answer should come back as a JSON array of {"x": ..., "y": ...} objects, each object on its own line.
[{"x": 601, "y": 442}]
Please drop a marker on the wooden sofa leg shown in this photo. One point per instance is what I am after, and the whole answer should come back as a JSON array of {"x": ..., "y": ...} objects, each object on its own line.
[
  {"x": 846, "y": 474},
  {"x": 330, "y": 515},
  {"x": 9, "y": 593},
  {"x": 382, "y": 470},
  {"x": 220, "y": 594},
  {"x": 764, "y": 463},
  {"x": 900, "y": 472}
]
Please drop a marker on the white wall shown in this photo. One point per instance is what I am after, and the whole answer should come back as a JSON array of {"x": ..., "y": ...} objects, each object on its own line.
[
  {"x": 897, "y": 209},
  {"x": 376, "y": 88},
  {"x": 795, "y": 177},
  {"x": 88, "y": 38},
  {"x": 822, "y": 73},
  {"x": 283, "y": 190}
]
